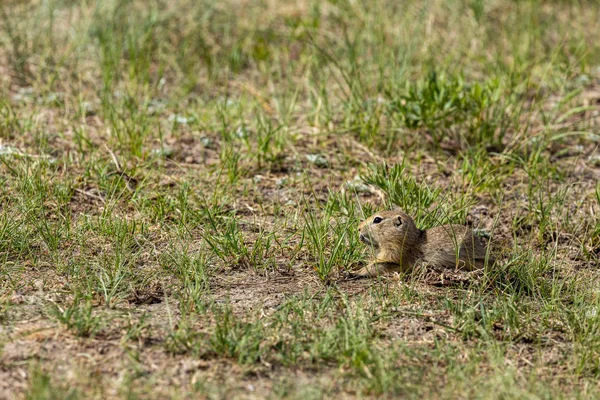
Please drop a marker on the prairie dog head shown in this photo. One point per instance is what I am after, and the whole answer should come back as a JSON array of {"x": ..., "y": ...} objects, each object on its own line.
[{"x": 388, "y": 230}]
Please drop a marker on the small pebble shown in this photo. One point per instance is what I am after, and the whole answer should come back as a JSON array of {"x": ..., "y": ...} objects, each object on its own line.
[
  {"x": 358, "y": 186},
  {"x": 591, "y": 313},
  {"x": 241, "y": 132},
  {"x": 180, "y": 119},
  {"x": 281, "y": 182},
  {"x": 8, "y": 150},
  {"x": 206, "y": 142},
  {"x": 162, "y": 152},
  {"x": 317, "y": 159},
  {"x": 594, "y": 160}
]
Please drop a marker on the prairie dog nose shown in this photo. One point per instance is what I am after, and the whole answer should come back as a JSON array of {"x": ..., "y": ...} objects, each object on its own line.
[{"x": 364, "y": 239}]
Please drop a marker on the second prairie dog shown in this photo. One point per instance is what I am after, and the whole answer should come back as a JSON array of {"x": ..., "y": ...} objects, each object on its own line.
[{"x": 399, "y": 245}]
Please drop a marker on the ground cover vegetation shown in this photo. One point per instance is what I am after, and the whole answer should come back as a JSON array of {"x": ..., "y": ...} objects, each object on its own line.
[{"x": 181, "y": 184}]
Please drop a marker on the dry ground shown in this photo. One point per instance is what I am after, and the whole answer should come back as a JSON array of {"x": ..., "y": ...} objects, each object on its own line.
[{"x": 180, "y": 185}]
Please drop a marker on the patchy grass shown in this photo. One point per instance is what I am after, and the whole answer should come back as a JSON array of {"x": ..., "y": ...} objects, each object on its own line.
[{"x": 181, "y": 182}]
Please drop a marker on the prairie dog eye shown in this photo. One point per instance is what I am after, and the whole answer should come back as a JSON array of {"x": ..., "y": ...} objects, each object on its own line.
[{"x": 377, "y": 220}]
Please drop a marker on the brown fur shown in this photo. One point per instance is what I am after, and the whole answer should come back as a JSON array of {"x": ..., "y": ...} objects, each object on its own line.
[{"x": 399, "y": 245}]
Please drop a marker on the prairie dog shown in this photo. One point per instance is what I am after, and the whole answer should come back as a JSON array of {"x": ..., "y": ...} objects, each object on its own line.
[{"x": 399, "y": 245}]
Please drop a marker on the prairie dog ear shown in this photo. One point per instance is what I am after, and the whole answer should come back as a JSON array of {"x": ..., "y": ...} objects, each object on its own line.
[{"x": 398, "y": 220}]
